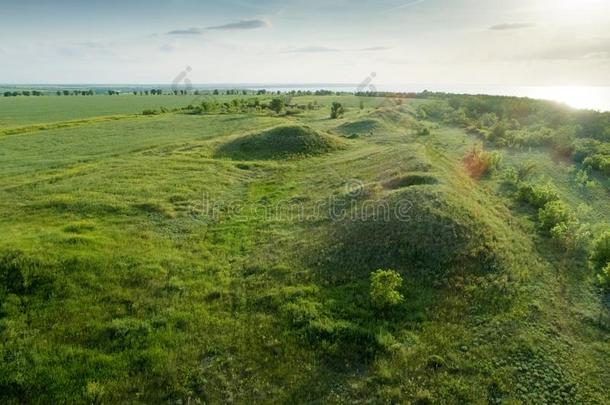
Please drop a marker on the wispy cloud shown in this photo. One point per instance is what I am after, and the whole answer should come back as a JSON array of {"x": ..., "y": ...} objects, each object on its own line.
[
  {"x": 512, "y": 26},
  {"x": 188, "y": 31},
  {"x": 242, "y": 25},
  {"x": 91, "y": 45},
  {"x": 374, "y": 49},
  {"x": 573, "y": 50},
  {"x": 324, "y": 49},
  {"x": 405, "y": 4},
  {"x": 312, "y": 49},
  {"x": 167, "y": 48}
]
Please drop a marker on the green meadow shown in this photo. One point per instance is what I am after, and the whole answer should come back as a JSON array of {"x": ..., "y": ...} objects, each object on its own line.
[{"x": 424, "y": 249}]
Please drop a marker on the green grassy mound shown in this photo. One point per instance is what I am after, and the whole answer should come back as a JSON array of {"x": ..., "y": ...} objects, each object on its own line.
[
  {"x": 391, "y": 115},
  {"x": 418, "y": 229},
  {"x": 280, "y": 143},
  {"x": 361, "y": 127}
]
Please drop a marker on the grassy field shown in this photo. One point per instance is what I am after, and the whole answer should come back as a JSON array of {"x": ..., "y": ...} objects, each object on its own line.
[{"x": 213, "y": 258}]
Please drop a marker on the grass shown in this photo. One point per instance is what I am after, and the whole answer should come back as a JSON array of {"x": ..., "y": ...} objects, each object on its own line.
[{"x": 140, "y": 264}]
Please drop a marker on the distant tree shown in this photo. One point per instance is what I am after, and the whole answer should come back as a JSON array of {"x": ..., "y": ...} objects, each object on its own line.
[
  {"x": 66, "y": 93},
  {"x": 15, "y": 93},
  {"x": 7, "y": 94},
  {"x": 58, "y": 93},
  {"x": 276, "y": 105},
  {"x": 146, "y": 92},
  {"x": 135, "y": 93},
  {"x": 336, "y": 110},
  {"x": 216, "y": 92}
]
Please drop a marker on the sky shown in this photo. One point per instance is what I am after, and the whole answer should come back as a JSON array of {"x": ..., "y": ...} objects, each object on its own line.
[{"x": 489, "y": 42}]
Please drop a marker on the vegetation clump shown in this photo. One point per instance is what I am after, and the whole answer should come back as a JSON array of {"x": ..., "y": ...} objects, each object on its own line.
[
  {"x": 600, "y": 259},
  {"x": 385, "y": 286},
  {"x": 479, "y": 162},
  {"x": 336, "y": 110}
]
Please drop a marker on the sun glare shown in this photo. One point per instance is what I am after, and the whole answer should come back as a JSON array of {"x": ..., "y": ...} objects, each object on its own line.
[{"x": 574, "y": 96}]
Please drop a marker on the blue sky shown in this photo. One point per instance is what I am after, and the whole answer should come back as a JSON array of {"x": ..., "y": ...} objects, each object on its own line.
[{"x": 497, "y": 42}]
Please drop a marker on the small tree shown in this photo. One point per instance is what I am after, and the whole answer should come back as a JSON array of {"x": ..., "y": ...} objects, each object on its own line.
[
  {"x": 276, "y": 105},
  {"x": 336, "y": 110},
  {"x": 600, "y": 254},
  {"x": 553, "y": 214},
  {"x": 361, "y": 105},
  {"x": 384, "y": 289}
]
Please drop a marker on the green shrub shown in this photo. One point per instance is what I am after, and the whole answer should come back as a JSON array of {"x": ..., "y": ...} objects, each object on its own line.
[
  {"x": 150, "y": 112},
  {"x": 572, "y": 235},
  {"x": 598, "y": 162},
  {"x": 336, "y": 110},
  {"x": 600, "y": 254},
  {"x": 384, "y": 289},
  {"x": 552, "y": 215},
  {"x": 277, "y": 105},
  {"x": 537, "y": 195}
]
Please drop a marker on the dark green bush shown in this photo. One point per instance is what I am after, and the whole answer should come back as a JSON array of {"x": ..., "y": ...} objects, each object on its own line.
[
  {"x": 553, "y": 214},
  {"x": 600, "y": 254},
  {"x": 537, "y": 195}
]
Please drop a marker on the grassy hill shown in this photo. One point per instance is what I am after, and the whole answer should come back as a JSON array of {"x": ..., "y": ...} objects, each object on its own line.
[{"x": 228, "y": 253}]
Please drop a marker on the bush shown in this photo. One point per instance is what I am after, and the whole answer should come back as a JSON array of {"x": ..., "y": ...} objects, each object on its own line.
[
  {"x": 537, "y": 195},
  {"x": 384, "y": 286},
  {"x": 336, "y": 111},
  {"x": 600, "y": 255},
  {"x": 277, "y": 105},
  {"x": 478, "y": 162},
  {"x": 150, "y": 112},
  {"x": 571, "y": 236},
  {"x": 552, "y": 215},
  {"x": 598, "y": 162}
]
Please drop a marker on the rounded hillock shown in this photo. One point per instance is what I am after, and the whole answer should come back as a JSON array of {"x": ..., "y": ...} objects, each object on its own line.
[
  {"x": 361, "y": 127},
  {"x": 283, "y": 142},
  {"x": 416, "y": 229}
]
